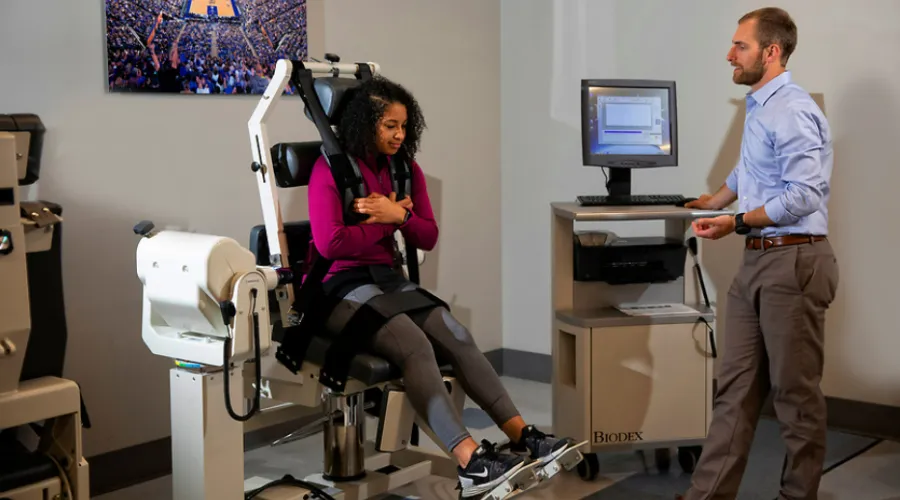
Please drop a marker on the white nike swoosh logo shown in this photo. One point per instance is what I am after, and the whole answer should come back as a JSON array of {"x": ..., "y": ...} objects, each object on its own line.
[{"x": 483, "y": 473}]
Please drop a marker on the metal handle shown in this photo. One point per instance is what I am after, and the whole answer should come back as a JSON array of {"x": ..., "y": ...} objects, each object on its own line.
[{"x": 312, "y": 427}]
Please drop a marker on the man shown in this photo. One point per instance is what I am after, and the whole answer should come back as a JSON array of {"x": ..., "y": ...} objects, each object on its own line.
[{"x": 776, "y": 305}]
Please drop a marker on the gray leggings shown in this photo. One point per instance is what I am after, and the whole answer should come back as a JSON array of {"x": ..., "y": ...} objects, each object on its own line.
[{"x": 416, "y": 346}]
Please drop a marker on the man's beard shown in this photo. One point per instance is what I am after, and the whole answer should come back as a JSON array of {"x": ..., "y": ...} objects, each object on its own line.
[{"x": 750, "y": 76}]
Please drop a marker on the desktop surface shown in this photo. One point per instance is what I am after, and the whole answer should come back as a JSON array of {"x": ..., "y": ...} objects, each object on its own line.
[{"x": 575, "y": 211}]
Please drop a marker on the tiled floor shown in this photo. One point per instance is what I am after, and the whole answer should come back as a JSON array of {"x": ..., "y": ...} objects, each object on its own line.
[{"x": 869, "y": 476}]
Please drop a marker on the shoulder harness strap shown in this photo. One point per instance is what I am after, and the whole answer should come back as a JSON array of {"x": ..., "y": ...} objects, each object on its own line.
[{"x": 401, "y": 179}]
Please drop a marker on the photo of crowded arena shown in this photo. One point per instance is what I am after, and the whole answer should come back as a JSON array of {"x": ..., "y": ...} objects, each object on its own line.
[{"x": 201, "y": 46}]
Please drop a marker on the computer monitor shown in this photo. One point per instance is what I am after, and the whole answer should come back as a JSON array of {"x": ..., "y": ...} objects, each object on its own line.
[{"x": 628, "y": 124}]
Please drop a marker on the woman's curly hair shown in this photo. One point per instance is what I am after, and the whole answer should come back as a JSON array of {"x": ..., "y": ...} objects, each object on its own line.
[{"x": 357, "y": 129}]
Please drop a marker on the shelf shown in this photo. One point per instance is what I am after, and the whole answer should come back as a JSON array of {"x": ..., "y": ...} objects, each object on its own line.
[
  {"x": 606, "y": 317},
  {"x": 576, "y": 212}
]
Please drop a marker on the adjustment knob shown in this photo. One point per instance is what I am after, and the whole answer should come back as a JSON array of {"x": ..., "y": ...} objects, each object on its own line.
[{"x": 143, "y": 228}]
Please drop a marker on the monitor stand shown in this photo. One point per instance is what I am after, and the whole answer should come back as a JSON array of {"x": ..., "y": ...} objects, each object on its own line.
[{"x": 619, "y": 184}]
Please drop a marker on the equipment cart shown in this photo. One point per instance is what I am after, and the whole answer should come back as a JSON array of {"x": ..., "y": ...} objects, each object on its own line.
[{"x": 640, "y": 379}]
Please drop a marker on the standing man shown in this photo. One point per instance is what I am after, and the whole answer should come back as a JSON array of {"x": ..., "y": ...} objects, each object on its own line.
[{"x": 776, "y": 305}]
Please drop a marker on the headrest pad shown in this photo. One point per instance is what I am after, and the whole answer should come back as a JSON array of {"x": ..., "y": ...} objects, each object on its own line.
[
  {"x": 30, "y": 126},
  {"x": 292, "y": 162},
  {"x": 334, "y": 93}
]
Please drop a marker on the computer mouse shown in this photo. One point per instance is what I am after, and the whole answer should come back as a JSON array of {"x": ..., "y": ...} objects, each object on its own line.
[{"x": 685, "y": 202}]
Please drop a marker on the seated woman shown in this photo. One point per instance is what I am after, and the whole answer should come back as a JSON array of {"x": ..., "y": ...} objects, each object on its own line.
[{"x": 380, "y": 118}]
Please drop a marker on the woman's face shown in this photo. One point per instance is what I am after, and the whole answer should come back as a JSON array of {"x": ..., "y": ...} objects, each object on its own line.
[{"x": 391, "y": 129}]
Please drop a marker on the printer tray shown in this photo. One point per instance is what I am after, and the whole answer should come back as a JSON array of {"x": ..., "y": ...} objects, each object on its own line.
[{"x": 630, "y": 261}]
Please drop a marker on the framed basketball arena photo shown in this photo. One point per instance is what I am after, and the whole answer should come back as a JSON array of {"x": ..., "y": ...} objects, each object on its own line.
[{"x": 201, "y": 46}]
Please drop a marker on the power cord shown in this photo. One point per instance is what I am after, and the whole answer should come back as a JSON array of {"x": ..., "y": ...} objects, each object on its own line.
[
  {"x": 712, "y": 337},
  {"x": 227, "y": 366},
  {"x": 62, "y": 473}
]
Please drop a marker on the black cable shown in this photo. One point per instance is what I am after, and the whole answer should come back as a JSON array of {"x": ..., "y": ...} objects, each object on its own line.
[
  {"x": 692, "y": 246},
  {"x": 290, "y": 481},
  {"x": 712, "y": 338},
  {"x": 227, "y": 366}
]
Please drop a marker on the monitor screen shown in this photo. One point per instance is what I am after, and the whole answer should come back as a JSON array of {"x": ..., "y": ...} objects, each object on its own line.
[{"x": 628, "y": 123}]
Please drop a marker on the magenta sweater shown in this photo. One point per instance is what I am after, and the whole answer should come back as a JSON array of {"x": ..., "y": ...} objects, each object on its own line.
[{"x": 365, "y": 244}]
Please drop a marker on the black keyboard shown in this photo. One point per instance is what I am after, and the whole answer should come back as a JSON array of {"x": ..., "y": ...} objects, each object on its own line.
[{"x": 634, "y": 199}]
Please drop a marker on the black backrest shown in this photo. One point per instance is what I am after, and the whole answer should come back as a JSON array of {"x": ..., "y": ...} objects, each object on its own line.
[
  {"x": 297, "y": 235},
  {"x": 292, "y": 162}
]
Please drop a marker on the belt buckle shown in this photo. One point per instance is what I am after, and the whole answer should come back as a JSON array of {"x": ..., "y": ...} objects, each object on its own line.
[{"x": 765, "y": 243}]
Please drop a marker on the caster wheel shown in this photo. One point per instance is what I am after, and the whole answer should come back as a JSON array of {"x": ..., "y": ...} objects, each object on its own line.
[
  {"x": 663, "y": 460},
  {"x": 589, "y": 467},
  {"x": 688, "y": 457}
]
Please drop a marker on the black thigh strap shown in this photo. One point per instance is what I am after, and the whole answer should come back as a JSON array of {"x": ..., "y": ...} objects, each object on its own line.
[
  {"x": 294, "y": 340},
  {"x": 367, "y": 320}
]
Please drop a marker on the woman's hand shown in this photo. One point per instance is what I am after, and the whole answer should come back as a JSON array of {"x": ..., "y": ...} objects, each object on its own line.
[{"x": 382, "y": 209}]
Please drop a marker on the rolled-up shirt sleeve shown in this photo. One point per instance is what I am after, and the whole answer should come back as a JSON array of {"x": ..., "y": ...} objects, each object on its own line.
[
  {"x": 732, "y": 181},
  {"x": 798, "y": 147}
]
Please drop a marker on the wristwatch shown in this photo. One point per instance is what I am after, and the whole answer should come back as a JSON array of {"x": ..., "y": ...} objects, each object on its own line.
[{"x": 739, "y": 226}]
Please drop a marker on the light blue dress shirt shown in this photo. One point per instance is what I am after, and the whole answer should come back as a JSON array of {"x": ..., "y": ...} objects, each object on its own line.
[{"x": 786, "y": 160}]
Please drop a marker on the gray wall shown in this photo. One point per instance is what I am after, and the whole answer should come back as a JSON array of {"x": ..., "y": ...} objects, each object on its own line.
[
  {"x": 112, "y": 160},
  {"x": 844, "y": 57}
]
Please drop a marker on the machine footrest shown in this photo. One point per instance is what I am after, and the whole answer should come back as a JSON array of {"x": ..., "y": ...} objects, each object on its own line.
[
  {"x": 568, "y": 460},
  {"x": 518, "y": 483}
]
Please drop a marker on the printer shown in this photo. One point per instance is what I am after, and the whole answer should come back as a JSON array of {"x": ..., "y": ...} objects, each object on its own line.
[{"x": 604, "y": 256}]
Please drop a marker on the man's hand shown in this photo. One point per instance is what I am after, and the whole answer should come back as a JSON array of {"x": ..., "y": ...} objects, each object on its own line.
[
  {"x": 380, "y": 209},
  {"x": 703, "y": 202},
  {"x": 714, "y": 228}
]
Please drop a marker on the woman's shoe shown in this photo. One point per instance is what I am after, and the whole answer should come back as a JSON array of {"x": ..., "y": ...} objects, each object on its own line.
[
  {"x": 487, "y": 469},
  {"x": 540, "y": 446}
]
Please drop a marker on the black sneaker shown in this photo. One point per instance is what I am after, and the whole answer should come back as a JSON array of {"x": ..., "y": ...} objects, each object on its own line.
[
  {"x": 539, "y": 446},
  {"x": 486, "y": 469}
]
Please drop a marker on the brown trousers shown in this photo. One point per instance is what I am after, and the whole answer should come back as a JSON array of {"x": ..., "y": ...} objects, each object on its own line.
[{"x": 775, "y": 318}]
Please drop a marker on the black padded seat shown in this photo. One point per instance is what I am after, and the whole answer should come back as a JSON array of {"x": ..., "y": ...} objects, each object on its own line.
[
  {"x": 366, "y": 368},
  {"x": 20, "y": 467}
]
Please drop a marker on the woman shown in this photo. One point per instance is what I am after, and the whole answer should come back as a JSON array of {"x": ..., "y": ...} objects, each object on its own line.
[{"x": 381, "y": 118}]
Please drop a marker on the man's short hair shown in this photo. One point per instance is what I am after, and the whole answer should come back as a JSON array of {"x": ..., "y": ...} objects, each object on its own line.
[{"x": 774, "y": 26}]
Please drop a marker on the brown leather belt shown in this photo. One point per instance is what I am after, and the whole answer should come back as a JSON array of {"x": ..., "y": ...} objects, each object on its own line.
[{"x": 762, "y": 242}]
